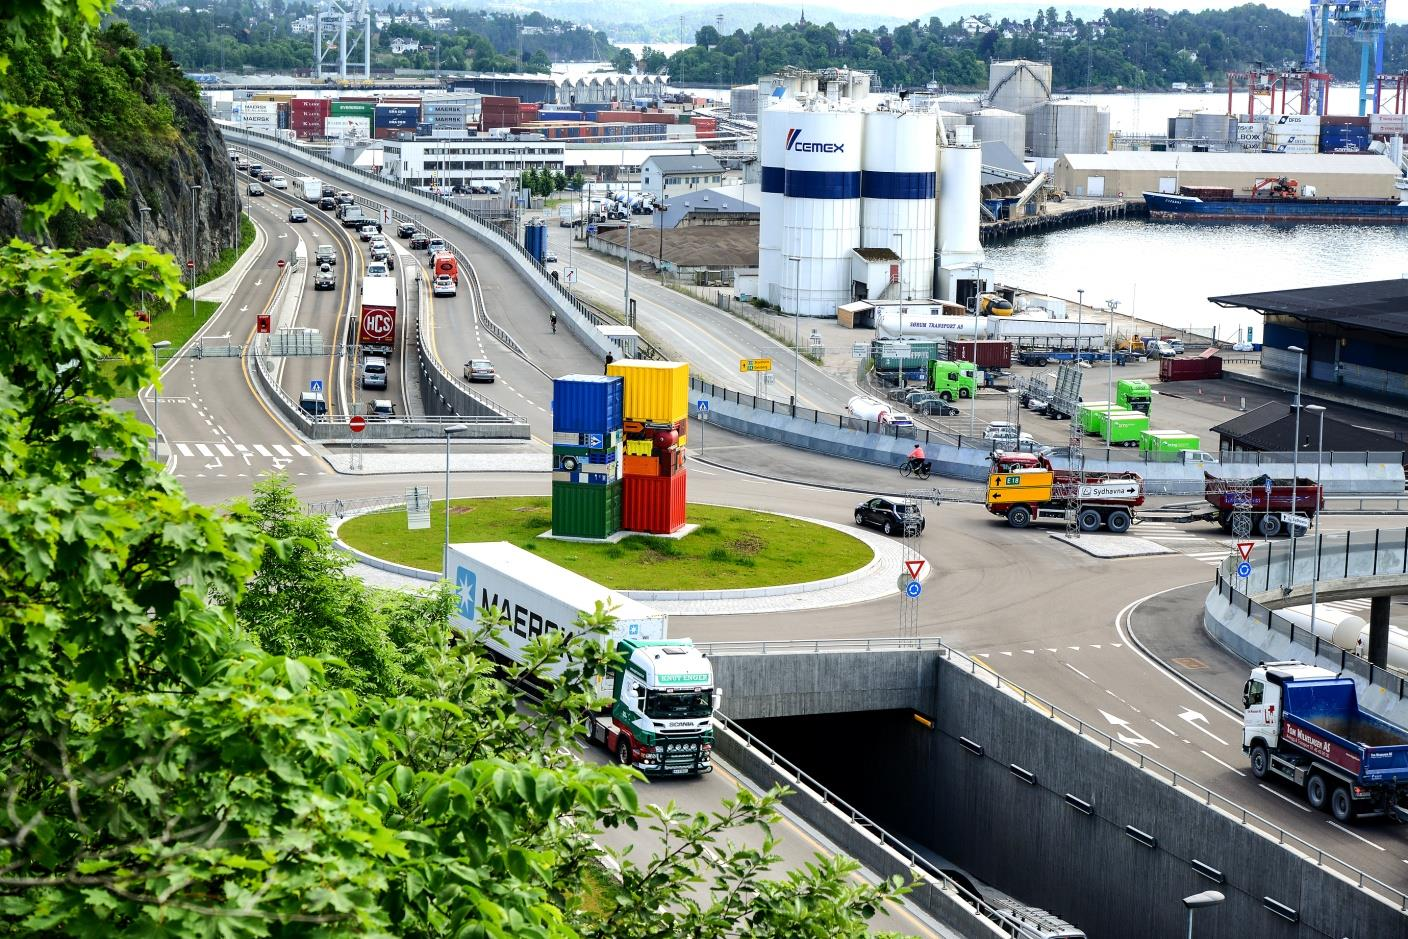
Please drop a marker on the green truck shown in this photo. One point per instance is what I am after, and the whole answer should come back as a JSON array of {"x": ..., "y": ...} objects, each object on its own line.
[
  {"x": 953, "y": 380},
  {"x": 1134, "y": 395},
  {"x": 1168, "y": 441},
  {"x": 1122, "y": 428}
]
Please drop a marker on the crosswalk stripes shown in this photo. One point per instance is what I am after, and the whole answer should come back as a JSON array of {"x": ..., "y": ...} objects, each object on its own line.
[
  {"x": 261, "y": 450},
  {"x": 274, "y": 450}
]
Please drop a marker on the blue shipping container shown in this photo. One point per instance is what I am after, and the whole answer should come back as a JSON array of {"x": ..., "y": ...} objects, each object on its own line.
[
  {"x": 402, "y": 116},
  {"x": 559, "y": 115},
  {"x": 587, "y": 404}
]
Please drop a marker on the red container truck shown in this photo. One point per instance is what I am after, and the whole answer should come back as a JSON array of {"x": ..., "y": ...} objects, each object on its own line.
[
  {"x": 377, "y": 323},
  {"x": 1263, "y": 499}
]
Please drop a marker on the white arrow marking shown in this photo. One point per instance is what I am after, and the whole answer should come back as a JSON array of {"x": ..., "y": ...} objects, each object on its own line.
[
  {"x": 283, "y": 234},
  {"x": 244, "y": 309},
  {"x": 1193, "y": 717},
  {"x": 1134, "y": 738},
  {"x": 216, "y": 465},
  {"x": 280, "y": 463}
]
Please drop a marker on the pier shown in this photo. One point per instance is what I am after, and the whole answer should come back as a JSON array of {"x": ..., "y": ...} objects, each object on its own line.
[{"x": 1007, "y": 229}]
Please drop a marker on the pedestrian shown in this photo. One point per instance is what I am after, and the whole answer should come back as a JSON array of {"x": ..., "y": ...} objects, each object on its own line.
[
  {"x": 609, "y": 359},
  {"x": 552, "y": 315}
]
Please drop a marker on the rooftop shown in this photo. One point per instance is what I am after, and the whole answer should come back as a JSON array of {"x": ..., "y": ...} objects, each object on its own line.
[
  {"x": 697, "y": 163},
  {"x": 1376, "y": 305},
  {"x": 1271, "y": 428},
  {"x": 1278, "y": 164}
]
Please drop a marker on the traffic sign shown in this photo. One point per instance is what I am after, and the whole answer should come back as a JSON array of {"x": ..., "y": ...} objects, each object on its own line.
[
  {"x": 702, "y": 404},
  {"x": 914, "y": 567},
  {"x": 190, "y": 264},
  {"x": 282, "y": 262},
  {"x": 1244, "y": 548},
  {"x": 1244, "y": 570},
  {"x": 315, "y": 385},
  {"x": 594, "y": 441},
  {"x": 1268, "y": 485},
  {"x": 913, "y": 590},
  {"x": 1299, "y": 521},
  {"x": 755, "y": 365},
  {"x": 357, "y": 424}
]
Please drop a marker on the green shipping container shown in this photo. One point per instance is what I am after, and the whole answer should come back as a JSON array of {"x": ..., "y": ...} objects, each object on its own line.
[
  {"x": 353, "y": 109},
  {"x": 1122, "y": 428},
  {"x": 917, "y": 355},
  {"x": 582, "y": 511},
  {"x": 1092, "y": 415},
  {"x": 1135, "y": 395},
  {"x": 1168, "y": 441}
]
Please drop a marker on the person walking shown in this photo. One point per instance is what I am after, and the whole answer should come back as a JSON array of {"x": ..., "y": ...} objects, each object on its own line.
[
  {"x": 552, "y": 315},
  {"x": 609, "y": 359}
]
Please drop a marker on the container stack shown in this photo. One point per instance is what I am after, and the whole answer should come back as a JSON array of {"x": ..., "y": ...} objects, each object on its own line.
[
  {"x": 1344, "y": 134},
  {"x": 1292, "y": 133},
  {"x": 656, "y": 409},
  {"x": 586, "y": 456}
]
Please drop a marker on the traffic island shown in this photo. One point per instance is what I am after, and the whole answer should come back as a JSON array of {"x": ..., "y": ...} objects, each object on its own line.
[{"x": 1112, "y": 546}]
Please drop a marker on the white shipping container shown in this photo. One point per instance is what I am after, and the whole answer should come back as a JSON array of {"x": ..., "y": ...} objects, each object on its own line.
[
  {"x": 1388, "y": 123},
  {"x": 1251, "y": 131},
  {"x": 1304, "y": 120},
  {"x": 259, "y": 109},
  {"x": 536, "y": 595},
  {"x": 1293, "y": 148},
  {"x": 348, "y": 126}
]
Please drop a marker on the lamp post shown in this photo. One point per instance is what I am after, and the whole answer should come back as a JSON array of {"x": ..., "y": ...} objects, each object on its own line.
[
  {"x": 660, "y": 210},
  {"x": 142, "y": 212},
  {"x": 450, "y": 432},
  {"x": 195, "y": 198},
  {"x": 156, "y": 398},
  {"x": 796, "y": 331},
  {"x": 629, "y": 318},
  {"x": 1080, "y": 319},
  {"x": 1319, "y": 456},
  {"x": 1295, "y": 465},
  {"x": 1200, "y": 901},
  {"x": 1110, "y": 305},
  {"x": 973, "y": 401}
]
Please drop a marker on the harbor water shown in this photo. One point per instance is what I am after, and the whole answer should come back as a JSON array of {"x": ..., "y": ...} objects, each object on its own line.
[{"x": 1164, "y": 272}]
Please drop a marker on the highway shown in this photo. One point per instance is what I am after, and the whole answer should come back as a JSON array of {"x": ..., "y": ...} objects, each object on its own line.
[{"x": 1040, "y": 613}]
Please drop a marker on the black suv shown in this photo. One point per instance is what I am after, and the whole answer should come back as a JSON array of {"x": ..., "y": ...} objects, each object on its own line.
[
  {"x": 327, "y": 203},
  {"x": 890, "y": 516},
  {"x": 405, "y": 230},
  {"x": 419, "y": 240}
]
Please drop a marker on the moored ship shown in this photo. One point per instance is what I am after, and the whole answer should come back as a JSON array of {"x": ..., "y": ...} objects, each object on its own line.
[{"x": 1272, "y": 200}]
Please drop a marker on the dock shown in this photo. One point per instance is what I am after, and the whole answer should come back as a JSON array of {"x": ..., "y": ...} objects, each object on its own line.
[{"x": 1007, "y": 229}]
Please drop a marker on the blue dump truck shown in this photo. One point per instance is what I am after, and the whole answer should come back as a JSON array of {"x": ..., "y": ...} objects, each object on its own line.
[{"x": 1303, "y": 723}]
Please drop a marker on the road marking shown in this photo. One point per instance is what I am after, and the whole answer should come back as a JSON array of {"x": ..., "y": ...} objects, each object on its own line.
[
  {"x": 203, "y": 450},
  {"x": 224, "y": 450},
  {"x": 185, "y": 450},
  {"x": 1193, "y": 717},
  {"x": 1216, "y": 760},
  {"x": 1053, "y": 650},
  {"x": 1285, "y": 798},
  {"x": 299, "y": 449},
  {"x": 1029, "y": 651},
  {"x": 1171, "y": 733},
  {"x": 1135, "y": 738},
  {"x": 1080, "y": 673},
  {"x": 1094, "y": 647},
  {"x": 1073, "y": 648},
  {"x": 280, "y": 449},
  {"x": 261, "y": 450},
  {"x": 1334, "y": 824},
  {"x": 1122, "y": 618},
  {"x": 1008, "y": 654}
]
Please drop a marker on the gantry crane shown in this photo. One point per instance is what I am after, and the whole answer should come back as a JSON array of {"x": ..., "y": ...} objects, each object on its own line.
[{"x": 1360, "y": 20}]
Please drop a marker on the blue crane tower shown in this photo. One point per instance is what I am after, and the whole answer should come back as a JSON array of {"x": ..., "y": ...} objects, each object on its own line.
[{"x": 1360, "y": 20}]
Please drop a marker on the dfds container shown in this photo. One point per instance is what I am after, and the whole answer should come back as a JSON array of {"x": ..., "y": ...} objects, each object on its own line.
[
  {"x": 655, "y": 392},
  {"x": 1168, "y": 441},
  {"x": 654, "y": 504},
  {"x": 580, "y": 511},
  {"x": 587, "y": 404}
]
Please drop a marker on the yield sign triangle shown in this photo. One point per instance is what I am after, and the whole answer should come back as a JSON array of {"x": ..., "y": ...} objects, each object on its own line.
[
  {"x": 1244, "y": 548},
  {"x": 914, "y": 567}
]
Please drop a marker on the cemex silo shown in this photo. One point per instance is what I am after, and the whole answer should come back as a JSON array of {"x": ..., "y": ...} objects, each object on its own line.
[
  {"x": 960, "y": 251},
  {"x": 897, "y": 189},
  {"x": 820, "y": 207},
  {"x": 774, "y": 121}
]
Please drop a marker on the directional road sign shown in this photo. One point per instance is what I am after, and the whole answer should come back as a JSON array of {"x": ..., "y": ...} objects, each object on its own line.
[
  {"x": 913, "y": 590},
  {"x": 1244, "y": 570},
  {"x": 1291, "y": 518},
  {"x": 1244, "y": 548},
  {"x": 315, "y": 385},
  {"x": 755, "y": 365}
]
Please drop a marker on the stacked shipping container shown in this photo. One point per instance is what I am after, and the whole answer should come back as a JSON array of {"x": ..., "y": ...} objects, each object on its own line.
[
  {"x": 393, "y": 119},
  {"x": 308, "y": 116},
  {"x": 498, "y": 111},
  {"x": 586, "y": 456},
  {"x": 656, "y": 409}
]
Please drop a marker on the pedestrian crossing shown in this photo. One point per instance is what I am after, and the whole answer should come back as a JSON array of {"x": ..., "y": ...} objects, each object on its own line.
[
  {"x": 212, "y": 450},
  {"x": 1194, "y": 539}
]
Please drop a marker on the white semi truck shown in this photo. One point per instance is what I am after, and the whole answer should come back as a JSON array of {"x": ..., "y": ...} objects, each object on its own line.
[
  {"x": 662, "y": 697},
  {"x": 932, "y": 323}
]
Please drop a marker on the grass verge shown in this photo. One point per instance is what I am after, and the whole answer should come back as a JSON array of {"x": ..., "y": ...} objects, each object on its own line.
[
  {"x": 178, "y": 325},
  {"x": 229, "y": 256},
  {"x": 732, "y": 548}
]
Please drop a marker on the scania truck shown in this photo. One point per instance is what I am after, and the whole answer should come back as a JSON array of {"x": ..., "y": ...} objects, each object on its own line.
[
  {"x": 1303, "y": 724},
  {"x": 663, "y": 696}
]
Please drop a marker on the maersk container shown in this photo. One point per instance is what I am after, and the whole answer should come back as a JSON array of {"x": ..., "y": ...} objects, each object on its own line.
[
  {"x": 1122, "y": 428},
  {"x": 587, "y": 404},
  {"x": 655, "y": 392},
  {"x": 1168, "y": 441},
  {"x": 536, "y": 596},
  {"x": 586, "y": 511},
  {"x": 654, "y": 504}
]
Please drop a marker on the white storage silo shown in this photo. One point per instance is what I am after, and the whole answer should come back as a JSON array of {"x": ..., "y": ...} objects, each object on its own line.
[
  {"x": 1006, "y": 127},
  {"x": 960, "y": 187},
  {"x": 897, "y": 186},
  {"x": 773, "y": 123},
  {"x": 958, "y": 104},
  {"x": 1019, "y": 85},
  {"x": 954, "y": 119},
  {"x": 820, "y": 208}
]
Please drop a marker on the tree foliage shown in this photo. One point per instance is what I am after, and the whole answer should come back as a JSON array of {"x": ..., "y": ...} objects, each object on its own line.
[{"x": 209, "y": 730}]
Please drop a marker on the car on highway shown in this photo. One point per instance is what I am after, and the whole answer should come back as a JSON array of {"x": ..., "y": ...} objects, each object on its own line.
[
  {"x": 444, "y": 286},
  {"x": 297, "y": 215},
  {"x": 329, "y": 192},
  {"x": 279, "y": 182},
  {"x": 378, "y": 269},
  {"x": 242, "y": 165},
  {"x": 405, "y": 230},
  {"x": 255, "y": 169},
  {"x": 434, "y": 245},
  {"x": 479, "y": 370},
  {"x": 891, "y": 516},
  {"x": 312, "y": 403},
  {"x": 327, "y": 203},
  {"x": 266, "y": 176},
  {"x": 366, "y": 231},
  {"x": 381, "y": 409},
  {"x": 376, "y": 242},
  {"x": 345, "y": 198},
  {"x": 325, "y": 255},
  {"x": 255, "y": 189},
  {"x": 374, "y": 372},
  {"x": 418, "y": 241},
  {"x": 325, "y": 279},
  {"x": 549, "y": 258}
]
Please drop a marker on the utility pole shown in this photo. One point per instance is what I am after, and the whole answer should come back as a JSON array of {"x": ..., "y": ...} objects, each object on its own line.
[{"x": 195, "y": 198}]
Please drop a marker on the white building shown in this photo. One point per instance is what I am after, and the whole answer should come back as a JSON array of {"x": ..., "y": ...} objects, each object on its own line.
[
  {"x": 666, "y": 176},
  {"x": 463, "y": 162},
  {"x": 401, "y": 46}
]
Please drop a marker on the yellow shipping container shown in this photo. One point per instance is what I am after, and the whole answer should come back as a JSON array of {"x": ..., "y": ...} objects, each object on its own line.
[{"x": 655, "y": 392}]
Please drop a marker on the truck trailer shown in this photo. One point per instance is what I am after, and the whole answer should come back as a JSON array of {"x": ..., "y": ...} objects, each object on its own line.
[
  {"x": 662, "y": 695},
  {"x": 1303, "y": 724},
  {"x": 377, "y": 322},
  {"x": 1262, "y": 499},
  {"x": 1025, "y": 486}
]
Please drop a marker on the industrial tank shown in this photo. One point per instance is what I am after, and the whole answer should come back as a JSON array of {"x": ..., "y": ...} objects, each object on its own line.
[
  {"x": 1215, "y": 129},
  {"x": 897, "y": 186},
  {"x": 1005, "y": 127},
  {"x": 960, "y": 182},
  {"x": 1019, "y": 85},
  {"x": 958, "y": 104},
  {"x": 773, "y": 123},
  {"x": 1060, "y": 127},
  {"x": 952, "y": 119},
  {"x": 820, "y": 207}
]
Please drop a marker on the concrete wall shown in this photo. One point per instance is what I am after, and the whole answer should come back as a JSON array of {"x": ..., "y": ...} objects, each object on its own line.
[
  {"x": 808, "y": 683},
  {"x": 1025, "y": 838}
]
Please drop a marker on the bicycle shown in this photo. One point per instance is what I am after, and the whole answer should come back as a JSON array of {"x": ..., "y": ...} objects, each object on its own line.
[{"x": 920, "y": 469}]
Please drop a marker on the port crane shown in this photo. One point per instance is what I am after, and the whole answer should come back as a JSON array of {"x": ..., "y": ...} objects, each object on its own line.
[{"x": 1361, "y": 20}]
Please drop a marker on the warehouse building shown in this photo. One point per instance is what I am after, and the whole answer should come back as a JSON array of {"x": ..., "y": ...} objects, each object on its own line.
[
  {"x": 476, "y": 161},
  {"x": 1352, "y": 335},
  {"x": 1128, "y": 173},
  {"x": 1271, "y": 428}
]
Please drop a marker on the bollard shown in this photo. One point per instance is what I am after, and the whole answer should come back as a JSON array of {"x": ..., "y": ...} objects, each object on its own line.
[{"x": 1244, "y": 403}]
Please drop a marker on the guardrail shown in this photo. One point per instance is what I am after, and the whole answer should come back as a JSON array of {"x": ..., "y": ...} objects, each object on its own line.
[{"x": 1113, "y": 745}]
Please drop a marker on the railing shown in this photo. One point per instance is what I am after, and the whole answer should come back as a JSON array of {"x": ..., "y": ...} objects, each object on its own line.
[
  {"x": 1128, "y": 752},
  {"x": 341, "y": 508}
]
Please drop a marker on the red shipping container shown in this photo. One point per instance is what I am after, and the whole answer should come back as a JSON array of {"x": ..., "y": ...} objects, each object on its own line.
[
  {"x": 310, "y": 106},
  {"x": 653, "y": 504},
  {"x": 489, "y": 101},
  {"x": 1202, "y": 367}
]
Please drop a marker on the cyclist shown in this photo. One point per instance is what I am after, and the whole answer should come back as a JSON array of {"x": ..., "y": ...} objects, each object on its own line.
[
  {"x": 916, "y": 458},
  {"x": 552, "y": 315}
]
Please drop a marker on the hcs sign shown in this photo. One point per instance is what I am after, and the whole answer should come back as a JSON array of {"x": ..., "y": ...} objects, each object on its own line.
[{"x": 378, "y": 325}]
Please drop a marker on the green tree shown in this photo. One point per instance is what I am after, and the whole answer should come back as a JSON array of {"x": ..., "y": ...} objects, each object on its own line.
[{"x": 559, "y": 182}]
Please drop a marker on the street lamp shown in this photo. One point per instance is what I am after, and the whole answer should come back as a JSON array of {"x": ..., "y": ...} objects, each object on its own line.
[
  {"x": 629, "y": 226},
  {"x": 1080, "y": 319},
  {"x": 977, "y": 295},
  {"x": 1111, "y": 305},
  {"x": 142, "y": 212},
  {"x": 195, "y": 198},
  {"x": 450, "y": 432},
  {"x": 156, "y": 397},
  {"x": 1319, "y": 455},
  {"x": 796, "y": 330},
  {"x": 660, "y": 210},
  {"x": 1295, "y": 465},
  {"x": 1198, "y": 901}
]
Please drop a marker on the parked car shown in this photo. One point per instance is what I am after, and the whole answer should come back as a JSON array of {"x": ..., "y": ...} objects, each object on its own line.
[
  {"x": 327, "y": 203},
  {"x": 934, "y": 406},
  {"x": 1000, "y": 429},
  {"x": 891, "y": 516},
  {"x": 325, "y": 279},
  {"x": 443, "y": 287},
  {"x": 279, "y": 182},
  {"x": 381, "y": 409},
  {"x": 312, "y": 403},
  {"x": 325, "y": 255},
  {"x": 255, "y": 189},
  {"x": 419, "y": 241},
  {"x": 405, "y": 230},
  {"x": 297, "y": 215},
  {"x": 479, "y": 370}
]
